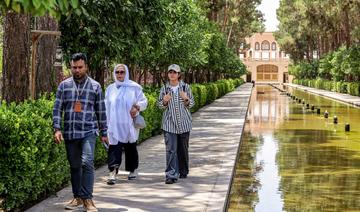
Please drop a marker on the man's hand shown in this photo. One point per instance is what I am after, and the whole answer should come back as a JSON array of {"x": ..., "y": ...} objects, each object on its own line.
[
  {"x": 134, "y": 111},
  {"x": 166, "y": 99},
  {"x": 104, "y": 139},
  {"x": 58, "y": 137}
]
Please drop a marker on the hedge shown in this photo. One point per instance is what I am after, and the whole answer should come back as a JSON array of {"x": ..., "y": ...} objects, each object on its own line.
[
  {"x": 352, "y": 88},
  {"x": 32, "y": 166}
]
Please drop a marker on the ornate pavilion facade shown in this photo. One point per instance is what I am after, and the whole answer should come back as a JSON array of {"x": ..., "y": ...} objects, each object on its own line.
[{"x": 264, "y": 60}]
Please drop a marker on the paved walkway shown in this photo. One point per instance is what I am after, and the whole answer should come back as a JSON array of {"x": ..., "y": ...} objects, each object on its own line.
[
  {"x": 214, "y": 141},
  {"x": 353, "y": 100}
]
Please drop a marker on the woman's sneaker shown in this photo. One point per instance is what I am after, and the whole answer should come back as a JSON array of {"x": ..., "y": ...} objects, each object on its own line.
[
  {"x": 132, "y": 175},
  {"x": 112, "y": 178}
]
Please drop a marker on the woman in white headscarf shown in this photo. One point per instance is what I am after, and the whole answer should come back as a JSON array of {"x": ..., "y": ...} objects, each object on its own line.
[{"x": 124, "y": 100}]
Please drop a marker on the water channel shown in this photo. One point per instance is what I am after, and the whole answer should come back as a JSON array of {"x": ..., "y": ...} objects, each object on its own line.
[{"x": 293, "y": 159}]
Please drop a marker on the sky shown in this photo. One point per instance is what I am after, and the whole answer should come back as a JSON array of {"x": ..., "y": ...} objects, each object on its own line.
[{"x": 268, "y": 7}]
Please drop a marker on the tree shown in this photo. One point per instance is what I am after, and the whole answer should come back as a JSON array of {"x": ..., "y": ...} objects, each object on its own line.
[
  {"x": 317, "y": 25},
  {"x": 46, "y": 74},
  {"x": 17, "y": 41},
  {"x": 16, "y": 57},
  {"x": 237, "y": 19},
  {"x": 148, "y": 35},
  {"x": 1, "y": 50},
  {"x": 112, "y": 30}
]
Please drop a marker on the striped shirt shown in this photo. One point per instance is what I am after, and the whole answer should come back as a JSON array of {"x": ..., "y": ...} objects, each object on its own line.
[
  {"x": 80, "y": 124},
  {"x": 176, "y": 116}
]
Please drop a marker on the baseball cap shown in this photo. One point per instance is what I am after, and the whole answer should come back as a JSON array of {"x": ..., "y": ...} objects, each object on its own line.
[{"x": 174, "y": 67}]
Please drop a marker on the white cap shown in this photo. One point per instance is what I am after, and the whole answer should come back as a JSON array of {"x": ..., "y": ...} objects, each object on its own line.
[{"x": 174, "y": 67}]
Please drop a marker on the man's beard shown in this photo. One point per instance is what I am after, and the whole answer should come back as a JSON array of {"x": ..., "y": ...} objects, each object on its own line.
[{"x": 78, "y": 76}]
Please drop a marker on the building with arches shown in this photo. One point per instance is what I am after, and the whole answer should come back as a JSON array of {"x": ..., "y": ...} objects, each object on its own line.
[{"x": 264, "y": 60}]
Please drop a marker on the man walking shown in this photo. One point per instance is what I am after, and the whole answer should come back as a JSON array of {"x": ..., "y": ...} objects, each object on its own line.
[{"x": 80, "y": 102}]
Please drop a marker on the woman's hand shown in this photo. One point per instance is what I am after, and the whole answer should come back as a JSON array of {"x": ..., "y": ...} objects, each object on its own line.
[
  {"x": 166, "y": 99},
  {"x": 134, "y": 111},
  {"x": 184, "y": 97}
]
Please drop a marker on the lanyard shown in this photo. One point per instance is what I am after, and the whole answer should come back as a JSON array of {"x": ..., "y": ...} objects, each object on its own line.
[{"x": 82, "y": 89}]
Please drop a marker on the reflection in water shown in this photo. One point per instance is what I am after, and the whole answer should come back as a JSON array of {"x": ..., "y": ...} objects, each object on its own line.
[
  {"x": 245, "y": 184},
  {"x": 292, "y": 159},
  {"x": 269, "y": 195}
]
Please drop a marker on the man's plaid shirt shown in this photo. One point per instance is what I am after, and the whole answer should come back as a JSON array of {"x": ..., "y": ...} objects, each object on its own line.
[{"x": 78, "y": 125}]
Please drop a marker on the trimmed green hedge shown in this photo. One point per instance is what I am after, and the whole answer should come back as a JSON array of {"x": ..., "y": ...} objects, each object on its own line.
[
  {"x": 32, "y": 166},
  {"x": 351, "y": 88}
]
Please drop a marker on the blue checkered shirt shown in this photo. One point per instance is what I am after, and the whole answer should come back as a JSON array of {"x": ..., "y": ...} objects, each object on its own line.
[{"x": 92, "y": 117}]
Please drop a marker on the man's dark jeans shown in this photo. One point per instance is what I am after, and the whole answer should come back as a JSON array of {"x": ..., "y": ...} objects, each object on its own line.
[{"x": 80, "y": 154}]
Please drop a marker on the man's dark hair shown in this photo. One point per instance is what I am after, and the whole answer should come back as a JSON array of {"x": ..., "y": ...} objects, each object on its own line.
[{"x": 79, "y": 56}]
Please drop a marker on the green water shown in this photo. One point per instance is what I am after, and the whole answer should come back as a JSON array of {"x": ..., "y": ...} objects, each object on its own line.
[{"x": 292, "y": 159}]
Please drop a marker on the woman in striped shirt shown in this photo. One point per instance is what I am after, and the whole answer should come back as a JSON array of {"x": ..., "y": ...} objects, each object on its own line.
[{"x": 176, "y": 100}]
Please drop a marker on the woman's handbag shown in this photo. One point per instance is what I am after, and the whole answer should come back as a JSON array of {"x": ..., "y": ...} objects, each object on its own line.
[{"x": 139, "y": 122}]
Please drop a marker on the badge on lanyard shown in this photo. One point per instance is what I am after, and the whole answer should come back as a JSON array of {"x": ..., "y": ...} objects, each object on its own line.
[
  {"x": 77, "y": 107},
  {"x": 77, "y": 104}
]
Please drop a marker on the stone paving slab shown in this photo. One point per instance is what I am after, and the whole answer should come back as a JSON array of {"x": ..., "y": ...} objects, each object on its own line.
[
  {"x": 353, "y": 100},
  {"x": 214, "y": 142}
]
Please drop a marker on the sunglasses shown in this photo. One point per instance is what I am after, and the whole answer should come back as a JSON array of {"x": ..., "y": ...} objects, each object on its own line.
[{"x": 119, "y": 72}]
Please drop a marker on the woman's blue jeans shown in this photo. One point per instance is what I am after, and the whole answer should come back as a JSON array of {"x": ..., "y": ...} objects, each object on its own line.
[{"x": 80, "y": 154}]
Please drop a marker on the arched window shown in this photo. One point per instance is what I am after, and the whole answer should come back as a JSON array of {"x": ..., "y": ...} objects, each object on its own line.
[
  {"x": 265, "y": 45},
  {"x": 273, "y": 46},
  {"x": 257, "y": 46}
]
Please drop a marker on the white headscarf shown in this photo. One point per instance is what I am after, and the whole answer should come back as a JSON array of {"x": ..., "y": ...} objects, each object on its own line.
[{"x": 126, "y": 81}]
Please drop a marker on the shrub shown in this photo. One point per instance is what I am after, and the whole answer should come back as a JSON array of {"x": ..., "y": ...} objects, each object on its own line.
[
  {"x": 212, "y": 92},
  {"x": 341, "y": 87},
  {"x": 319, "y": 83},
  {"x": 353, "y": 89},
  {"x": 28, "y": 149}
]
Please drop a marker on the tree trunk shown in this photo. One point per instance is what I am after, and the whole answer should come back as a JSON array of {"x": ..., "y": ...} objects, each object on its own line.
[
  {"x": 223, "y": 28},
  {"x": 208, "y": 75},
  {"x": 154, "y": 73},
  {"x": 132, "y": 71},
  {"x": 140, "y": 74},
  {"x": 213, "y": 10},
  {"x": 318, "y": 46},
  {"x": 100, "y": 76},
  {"x": 97, "y": 70},
  {"x": 346, "y": 24},
  {"x": 145, "y": 76},
  {"x": 16, "y": 56},
  {"x": 47, "y": 76},
  {"x": 229, "y": 35}
]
